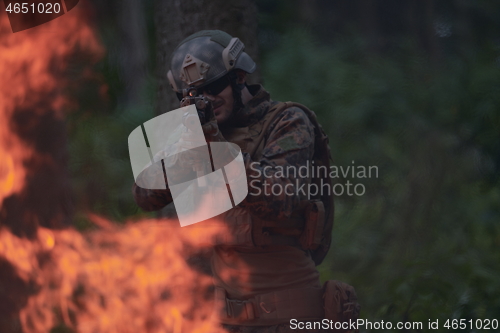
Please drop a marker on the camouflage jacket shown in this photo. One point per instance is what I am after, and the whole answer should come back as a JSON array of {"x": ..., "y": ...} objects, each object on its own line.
[{"x": 275, "y": 190}]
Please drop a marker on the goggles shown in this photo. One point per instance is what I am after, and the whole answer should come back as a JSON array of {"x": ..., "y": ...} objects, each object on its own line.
[{"x": 213, "y": 88}]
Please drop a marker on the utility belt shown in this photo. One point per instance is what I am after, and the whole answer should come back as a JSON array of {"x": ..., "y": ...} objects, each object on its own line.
[
  {"x": 303, "y": 303},
  {"x": 336, "y": 301}
]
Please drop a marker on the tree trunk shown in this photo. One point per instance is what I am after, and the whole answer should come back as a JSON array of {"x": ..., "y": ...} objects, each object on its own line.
[{"x": 126, "y": 19}]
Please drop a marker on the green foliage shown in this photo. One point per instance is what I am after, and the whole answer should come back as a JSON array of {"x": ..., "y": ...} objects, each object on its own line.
[
  {"x": 422, "y": 242},
  {"x": 100, "y": 163},
  {"x": 99, "y": 127},
  {"x": 99, "y": 159}
]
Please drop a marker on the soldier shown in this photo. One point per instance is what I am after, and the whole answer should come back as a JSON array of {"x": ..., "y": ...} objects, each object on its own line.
[{"x": 281, "y": 231}]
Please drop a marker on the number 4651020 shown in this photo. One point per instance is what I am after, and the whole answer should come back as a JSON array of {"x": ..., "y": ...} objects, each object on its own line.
[
  {"x": 41, "y": 8},
  {"x": 479, "y": 324}
]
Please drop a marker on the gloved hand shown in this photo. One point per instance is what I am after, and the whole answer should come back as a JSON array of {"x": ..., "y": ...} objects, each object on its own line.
[
  {"x": 192, "y": 149},
  {"x": 211, "y": 131},
  {"x": 223, "y": 152}
]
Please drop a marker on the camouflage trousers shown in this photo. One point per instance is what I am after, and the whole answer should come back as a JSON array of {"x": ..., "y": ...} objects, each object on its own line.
[{"x": 281, "y": 328}]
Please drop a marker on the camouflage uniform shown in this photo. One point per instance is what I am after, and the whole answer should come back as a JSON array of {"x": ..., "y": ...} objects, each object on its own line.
[{"x": 289, "y": 142}]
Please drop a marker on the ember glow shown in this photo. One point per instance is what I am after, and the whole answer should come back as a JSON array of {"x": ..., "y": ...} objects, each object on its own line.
[{"x": 139, "y": 277}]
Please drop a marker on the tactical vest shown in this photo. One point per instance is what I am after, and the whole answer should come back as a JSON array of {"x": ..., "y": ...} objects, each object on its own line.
[
  {"x": 310, "y": 226},
  {"x": 336, "y": 301}
]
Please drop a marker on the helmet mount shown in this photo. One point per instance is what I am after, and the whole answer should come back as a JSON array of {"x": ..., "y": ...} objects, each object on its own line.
[{"x": 193, "y": 70}]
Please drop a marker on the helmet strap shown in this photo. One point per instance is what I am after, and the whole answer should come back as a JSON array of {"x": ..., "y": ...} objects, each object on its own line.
[
  {"x": 237, "y": 88},
  {"x": 241, "y": 86},
  {"x": 237, "y": 102}
]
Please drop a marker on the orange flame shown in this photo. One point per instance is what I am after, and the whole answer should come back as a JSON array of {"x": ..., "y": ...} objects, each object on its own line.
[
  {"x": 25, "y": 61},
  {"x": 129, "y": 279}
]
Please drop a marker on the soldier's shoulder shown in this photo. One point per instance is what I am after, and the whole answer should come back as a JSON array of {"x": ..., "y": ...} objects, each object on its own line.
[
  {"x": 290, "y": 115},
  {"x": 291, "y": 130}
]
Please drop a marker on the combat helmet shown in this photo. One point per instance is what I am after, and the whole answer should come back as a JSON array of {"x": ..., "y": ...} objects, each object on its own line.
[{"x": 206, "y": 56}]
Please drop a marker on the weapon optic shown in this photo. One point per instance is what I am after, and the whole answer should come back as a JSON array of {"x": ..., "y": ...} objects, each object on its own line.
[{"x": 203, "y": 108}]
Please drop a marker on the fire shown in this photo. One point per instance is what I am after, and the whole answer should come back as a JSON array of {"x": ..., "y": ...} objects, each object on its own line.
[
  {"x": 133, "y": 278},
  {"x": 25, "y": 62},
  {"x": 6, "y": 173},
  {"x": 126, "y": 279}
]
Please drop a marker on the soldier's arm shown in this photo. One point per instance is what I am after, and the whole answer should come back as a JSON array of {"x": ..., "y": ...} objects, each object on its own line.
[
  {"x": 151, "y": 200},
  {"x": 289, "y": 146},
  {"x": 154, "y": 177}
]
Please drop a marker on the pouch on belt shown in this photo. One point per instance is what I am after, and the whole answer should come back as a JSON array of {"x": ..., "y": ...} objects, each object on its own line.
[{"x": 341, "y": 304}]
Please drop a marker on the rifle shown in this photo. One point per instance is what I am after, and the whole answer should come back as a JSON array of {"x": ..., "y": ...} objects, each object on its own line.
[{"x": 205, "y": 115}]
